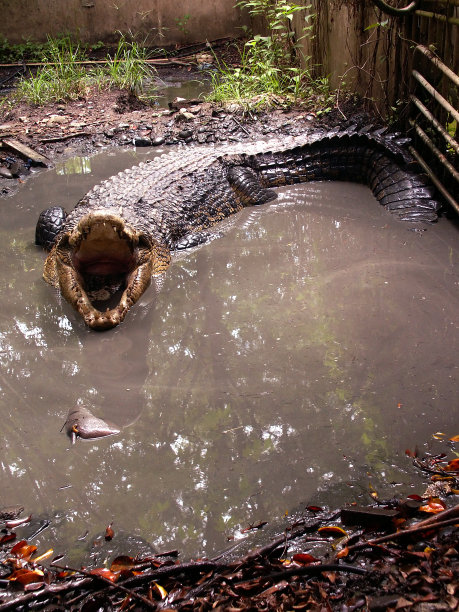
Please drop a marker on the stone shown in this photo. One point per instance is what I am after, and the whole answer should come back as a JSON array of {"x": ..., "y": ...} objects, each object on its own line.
[{"x": 5, "y": 173}]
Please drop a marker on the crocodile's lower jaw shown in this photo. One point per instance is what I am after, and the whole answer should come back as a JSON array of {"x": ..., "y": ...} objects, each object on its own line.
[{"x": 101, "y": 247}]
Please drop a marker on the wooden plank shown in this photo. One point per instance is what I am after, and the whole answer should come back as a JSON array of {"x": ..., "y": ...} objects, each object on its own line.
[
  {"x": 26, "y": 152},
  {"x": 368, "y": 515}
]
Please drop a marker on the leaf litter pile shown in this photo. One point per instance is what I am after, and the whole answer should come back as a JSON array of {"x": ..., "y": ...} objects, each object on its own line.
[{"x": 385, "y": 556}]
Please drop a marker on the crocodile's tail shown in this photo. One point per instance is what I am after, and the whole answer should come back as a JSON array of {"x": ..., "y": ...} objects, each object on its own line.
[{"x": 374, "y": 158}]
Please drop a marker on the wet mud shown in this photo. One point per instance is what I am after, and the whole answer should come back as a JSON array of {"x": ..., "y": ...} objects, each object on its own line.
[{"x": 291, "y": 361}]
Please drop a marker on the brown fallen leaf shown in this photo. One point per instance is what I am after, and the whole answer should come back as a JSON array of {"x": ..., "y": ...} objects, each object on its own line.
[
  {"x": 104, "y": 573},
  {"x": 304, "y": 558},
  {"x": 109, "y": 533},
  {"x": 332, "y": 530}
]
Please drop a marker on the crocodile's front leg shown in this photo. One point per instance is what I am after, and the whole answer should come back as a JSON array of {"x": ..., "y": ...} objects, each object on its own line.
[{"x": 49, "y": 224}]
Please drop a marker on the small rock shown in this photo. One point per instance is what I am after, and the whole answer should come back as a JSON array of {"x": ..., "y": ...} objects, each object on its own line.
[
  {"x": 141, "y": 142},
  {"x": 185, "y": 134},
  {"x": 183, "y": 112},
  {"x": 17, "y": 168},
  {"x": 233, "y": 108},
  {"x": 158, "y": 141},
  {"x": 5, "y": 172},
  {"x": 57, "y": 119}
]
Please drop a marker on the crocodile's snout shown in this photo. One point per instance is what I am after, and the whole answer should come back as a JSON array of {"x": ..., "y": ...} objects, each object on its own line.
[{"x": 102, "y": 256}]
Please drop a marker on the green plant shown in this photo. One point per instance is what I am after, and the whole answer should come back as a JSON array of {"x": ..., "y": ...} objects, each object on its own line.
[
  {"x": 278, "y": 15},
  {"x": 62, "y": 78},
  {"x": 182, "y": 23},
  {"x": 128, "y": 68},
  {"x": 270, "y": 69}
]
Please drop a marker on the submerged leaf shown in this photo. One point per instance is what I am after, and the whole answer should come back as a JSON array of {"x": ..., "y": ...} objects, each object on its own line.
[{"x": 343, "y": 553}]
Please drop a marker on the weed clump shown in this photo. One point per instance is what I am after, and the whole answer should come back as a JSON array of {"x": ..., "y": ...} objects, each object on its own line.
[
  {"x": 272, "y": 68},
  {"x": 67, "y": 74}
]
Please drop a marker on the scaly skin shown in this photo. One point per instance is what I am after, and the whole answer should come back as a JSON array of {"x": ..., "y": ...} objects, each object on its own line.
[{"x": 128, "y": 225}]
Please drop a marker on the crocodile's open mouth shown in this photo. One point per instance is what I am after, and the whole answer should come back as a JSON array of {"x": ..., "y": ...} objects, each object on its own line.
[{"x": 103, "y": 260}]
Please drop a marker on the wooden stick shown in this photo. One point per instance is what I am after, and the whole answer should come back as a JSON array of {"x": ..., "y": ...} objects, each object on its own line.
[
  {"x": 404, "y": 532},
  {"x": 109, "y": 583}
]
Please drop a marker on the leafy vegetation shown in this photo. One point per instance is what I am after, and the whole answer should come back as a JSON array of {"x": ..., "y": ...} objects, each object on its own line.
[
  {"x": 31, "y": 51},
  {"x": 62, "y": 78},
  {"x": 128, "y": 69},
  {"x": 65, "y": 76},
  {"x": 272, "y": 67}
]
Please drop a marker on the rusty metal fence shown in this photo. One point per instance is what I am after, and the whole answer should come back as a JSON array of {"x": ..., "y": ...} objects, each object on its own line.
[
  {"x": 434, "y": 119},
  {"x": 430, "y": 27}
]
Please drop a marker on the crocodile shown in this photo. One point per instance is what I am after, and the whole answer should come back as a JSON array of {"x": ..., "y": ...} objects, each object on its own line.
[{"x": 123, "y": 231}]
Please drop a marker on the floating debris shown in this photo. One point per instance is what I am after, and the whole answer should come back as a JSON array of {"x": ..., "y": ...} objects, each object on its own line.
[{"x": 82, "y": 423}]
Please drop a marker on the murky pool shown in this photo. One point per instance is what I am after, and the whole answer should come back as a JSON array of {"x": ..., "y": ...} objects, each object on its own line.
[{"x": 291, "y": 361}]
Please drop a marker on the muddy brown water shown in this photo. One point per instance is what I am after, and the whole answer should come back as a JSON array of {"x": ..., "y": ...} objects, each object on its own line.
[{"x": 291, "y": 361}]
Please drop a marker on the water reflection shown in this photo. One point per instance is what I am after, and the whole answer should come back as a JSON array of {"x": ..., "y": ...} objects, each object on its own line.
[
  {"x": 74, "y": 165},
  {"x": 303, "y": 351}
]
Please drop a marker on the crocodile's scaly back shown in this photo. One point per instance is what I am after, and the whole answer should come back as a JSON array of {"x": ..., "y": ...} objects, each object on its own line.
[{"x": 127, "y": 225}]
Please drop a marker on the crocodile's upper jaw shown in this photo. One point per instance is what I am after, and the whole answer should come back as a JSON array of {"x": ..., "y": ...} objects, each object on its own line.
[{"x": 103, "y": 246}]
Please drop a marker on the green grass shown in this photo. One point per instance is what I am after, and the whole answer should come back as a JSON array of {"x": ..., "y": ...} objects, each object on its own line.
[
  {"x": 128, "y": 69},
  {"x": 64, "y": 78}
]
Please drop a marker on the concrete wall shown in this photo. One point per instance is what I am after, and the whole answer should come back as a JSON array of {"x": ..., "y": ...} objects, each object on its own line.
[
  {"x": 162, "y": 22},
  {"x": 347, "y": 46}
]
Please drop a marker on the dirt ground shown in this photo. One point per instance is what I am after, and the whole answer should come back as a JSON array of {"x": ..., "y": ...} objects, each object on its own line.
[{"x": 113, "y": 118}]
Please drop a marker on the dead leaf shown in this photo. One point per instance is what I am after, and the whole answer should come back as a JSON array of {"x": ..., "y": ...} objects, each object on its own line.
[
  {"x": 343, "y": 553},
  {"x": 109, "y": 533},
  {"x": 17, "y": 522},
  {"x": 332, "y": 530},
  {"x": 160, "y": 590},
  {"x": 122, "y": 563},
  {"x": 7, "y": 538},
  {"x": 452, "y": 465},
  {"x": 433, "y": 506},
  {"x": 304, "y": 558},
  {"x": 23, "y": 550},
  {"x": 104, "y": 573},
  {"x": 25, "y": 576},
  {"x": 45, "y": 555}
]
